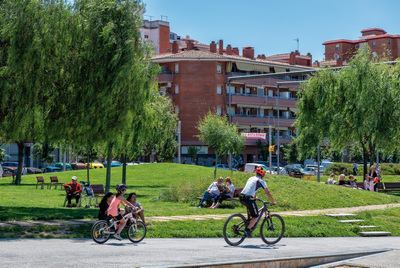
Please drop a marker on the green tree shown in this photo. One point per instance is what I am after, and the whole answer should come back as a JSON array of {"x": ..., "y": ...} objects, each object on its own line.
[
  {"x": 43, "y": 152},
  {"x": 291, "y": 152},
  {"x": 192, "y": 152},
  {"x": 359, "y": 103},
  {"x": 3, "y": 155},
  {"x": 220, "y": 135}
]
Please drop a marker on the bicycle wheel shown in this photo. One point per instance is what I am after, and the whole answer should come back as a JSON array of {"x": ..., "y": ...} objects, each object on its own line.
[
  {"x": 234, "y": 229},
  {"x": 272, "y": 230},
  {"x": 136, "y": 233},
  {"x": 99, "y": 230}
]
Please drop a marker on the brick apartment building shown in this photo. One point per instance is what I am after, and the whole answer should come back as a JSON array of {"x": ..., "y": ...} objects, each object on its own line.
[
  {"x": 338, "y": 52},
  {"x": 195, "y": 76}
]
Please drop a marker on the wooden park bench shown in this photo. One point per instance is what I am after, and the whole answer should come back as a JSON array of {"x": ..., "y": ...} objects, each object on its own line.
[
  {"x": 233, "y": 200},
  {"x": 98, "y": 192},
  {"x": 54, "y": 181},
  {"x": 390, "y": 187},
  {"x": 40, "y": 180}
]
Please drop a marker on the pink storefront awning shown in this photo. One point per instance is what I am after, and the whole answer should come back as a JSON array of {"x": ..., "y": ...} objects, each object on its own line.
[{"x": 254, "y": 136}]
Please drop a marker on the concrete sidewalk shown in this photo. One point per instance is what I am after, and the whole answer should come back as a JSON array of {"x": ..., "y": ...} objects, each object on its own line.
[{"x": 195, "y": 252}]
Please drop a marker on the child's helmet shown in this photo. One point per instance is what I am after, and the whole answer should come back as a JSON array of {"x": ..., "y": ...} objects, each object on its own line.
[
  {"x": 260, "y": 171},
  {"x": 121, "y": 187}
]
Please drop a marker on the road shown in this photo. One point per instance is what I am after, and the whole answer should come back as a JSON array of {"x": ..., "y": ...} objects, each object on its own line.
[{"x": 175, "y": 252}]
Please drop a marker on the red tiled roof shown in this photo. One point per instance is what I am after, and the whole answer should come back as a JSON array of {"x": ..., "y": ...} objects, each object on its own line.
[
  {"x": 206, "y": 55},
  {"x": 373, "y": 29},
  {"x": 341, "y": 41}
]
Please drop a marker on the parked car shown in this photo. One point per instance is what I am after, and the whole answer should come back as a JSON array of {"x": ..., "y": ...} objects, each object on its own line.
[
  {"x": 9, "y": 171},
  {"x": 61, "y": 165},
  {"x": 113, "y": 164},
  {"x": 77, "y": 166},
  {"x": 33, "y": 170},
  {"x": 9, "y": 164},
  {"x": 251, "y": 167},
  {"x": 95, "y": 165},
  {"x": 52, "y": 169},
  {"x": 282, "y": 171},
  {"x": 225, "y": 167},
  {"x": 314, "y": 169}
]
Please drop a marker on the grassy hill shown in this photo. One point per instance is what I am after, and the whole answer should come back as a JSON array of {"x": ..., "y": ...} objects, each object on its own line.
[{"x": 166, "y": 189}]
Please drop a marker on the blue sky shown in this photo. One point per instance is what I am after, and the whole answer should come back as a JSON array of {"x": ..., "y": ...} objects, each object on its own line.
[{"x": 271, "y": 26}]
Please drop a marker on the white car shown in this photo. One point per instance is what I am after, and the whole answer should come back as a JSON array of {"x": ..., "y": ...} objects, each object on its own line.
[{"x": 251, "y": 167}]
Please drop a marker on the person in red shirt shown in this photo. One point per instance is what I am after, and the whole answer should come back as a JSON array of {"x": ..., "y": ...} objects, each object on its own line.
[{"x": 74, "y": 190}]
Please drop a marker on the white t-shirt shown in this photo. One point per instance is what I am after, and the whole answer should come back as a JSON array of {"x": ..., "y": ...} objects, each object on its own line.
[
  {"x": 252, "y": 185},
  {"x": 214, "y": 188},
  {"x": 24, "y": 171},
  {"x": 232, "y": 188},
  {"x": 331, "y": 181}
]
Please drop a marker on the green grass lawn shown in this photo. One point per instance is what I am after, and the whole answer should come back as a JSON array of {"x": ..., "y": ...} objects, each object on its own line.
[{"x": 170, "y": 189}]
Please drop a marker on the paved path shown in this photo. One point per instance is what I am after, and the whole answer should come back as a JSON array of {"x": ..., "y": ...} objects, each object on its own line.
[
  {"x": 185, "y": 251},
  {"x": 214, "y": 216}
]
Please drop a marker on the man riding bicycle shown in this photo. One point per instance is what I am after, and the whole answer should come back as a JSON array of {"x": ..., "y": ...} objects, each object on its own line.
[{"x": 248, "y": 193}]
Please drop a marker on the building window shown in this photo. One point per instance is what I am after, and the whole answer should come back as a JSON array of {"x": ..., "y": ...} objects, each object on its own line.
[
  {"x": 219, "y": 90},
  {"x": 176, "y": 109},
  {"x": 176, "y": 89},
  {"x": 388, "y": 41},
  {"x": 176, "y": 68},
  {"x": 356, "y": 46},
  {"x": 219, "y": 69},
  {"x": 373, "y": 54},
  {"x": 337, "y": 47},
  {"x": 373, "y": 43},
  {"x": 247, "y": 90},
  {"x": 146, "y": 36},
  {"x": 219, "y": 110}
]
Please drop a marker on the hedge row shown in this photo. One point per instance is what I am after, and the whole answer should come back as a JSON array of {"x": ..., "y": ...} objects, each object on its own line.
[{"x": 340, "y": 168}]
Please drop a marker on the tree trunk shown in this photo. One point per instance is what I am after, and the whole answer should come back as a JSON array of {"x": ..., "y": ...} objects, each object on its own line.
[
  {"x": 109, "y": 159},
  {"x": 87, "y": 167},
  {"x": 124, "y": 168},
  {"x": 365, "y": 159},
  {"x": 216, "y": 163},
  {"x": 21, "y": 148}
]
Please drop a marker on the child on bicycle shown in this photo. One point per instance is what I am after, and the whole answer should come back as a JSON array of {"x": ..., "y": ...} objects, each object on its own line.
[
  {"x": 114, "y": 212},
  {"x": 247, "y": 197}
]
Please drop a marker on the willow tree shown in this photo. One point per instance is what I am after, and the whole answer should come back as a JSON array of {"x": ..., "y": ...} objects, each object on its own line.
[
  {"x": 223, "y": 137},
  {"x": 357, "y": 104},
  {"x": 106, "y": 72},
  {"x": 23, "y": 25}
]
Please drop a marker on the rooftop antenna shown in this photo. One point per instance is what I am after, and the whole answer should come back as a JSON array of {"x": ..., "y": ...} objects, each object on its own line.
[
  {"x": 150, "y": 17},
  {"x": 298, "y": 40},
  {"x": 164, "y": 17}
]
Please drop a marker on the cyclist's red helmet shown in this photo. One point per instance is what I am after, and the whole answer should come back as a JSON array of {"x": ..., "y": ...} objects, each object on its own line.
[{"x": 260, "y": 171}]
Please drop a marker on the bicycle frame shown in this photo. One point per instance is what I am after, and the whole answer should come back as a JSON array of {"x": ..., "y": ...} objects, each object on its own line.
[
  {"x": 261, "y": 212},
  {"x": 114, "y": 224}
]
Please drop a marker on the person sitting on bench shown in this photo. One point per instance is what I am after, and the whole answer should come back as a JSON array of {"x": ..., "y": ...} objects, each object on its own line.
[
  {"x": 74, "y": 190},
  {"x": 211, "y": 192},
  {"x": 227, "y": 193}
]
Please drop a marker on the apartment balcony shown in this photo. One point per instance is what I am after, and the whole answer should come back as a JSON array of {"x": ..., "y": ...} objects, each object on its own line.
[
  {"x": 165, "y": 77},
  {"x": 259, "y": 121},
  {"x": 253, "y": 99}
]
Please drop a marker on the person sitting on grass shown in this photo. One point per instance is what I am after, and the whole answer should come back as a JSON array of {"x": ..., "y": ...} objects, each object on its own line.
[
  {"x": 74, "y": 190},
  {"x": 226, "y": 193},
  {"x": 331, "y": 177},
  {"x": 366, "y": 182},
  {"x": 352, "y": 183},
  {"x": 136, "y": 212},
  {"x": 211, "y": 192},
  {"x": 104, "y": 204},
  {"x": 114, "y": 212},
  {"x": 341, "y": 181}
]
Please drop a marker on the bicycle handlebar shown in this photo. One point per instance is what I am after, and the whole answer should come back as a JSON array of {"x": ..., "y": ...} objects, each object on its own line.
[{"x": 265, "y": 202}]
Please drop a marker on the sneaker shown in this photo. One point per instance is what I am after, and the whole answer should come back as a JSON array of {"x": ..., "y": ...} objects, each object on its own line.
[
  {"x": 200, "y": 206},
  {"x": 204, "y": 203},
  {"x": 247, "y": 232},
  {"x": 118, "y": 237}
]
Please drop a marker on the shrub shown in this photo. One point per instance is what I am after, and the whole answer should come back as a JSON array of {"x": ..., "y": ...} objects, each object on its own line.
[
  {"x": 339, "y": 168},
  {"x": 387, "y": 169}
]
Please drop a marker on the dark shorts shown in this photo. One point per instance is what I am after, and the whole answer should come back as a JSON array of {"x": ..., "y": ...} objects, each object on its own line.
[
  {"x": 117, "y": 218},
  {"x": 250, "y": 203}
]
